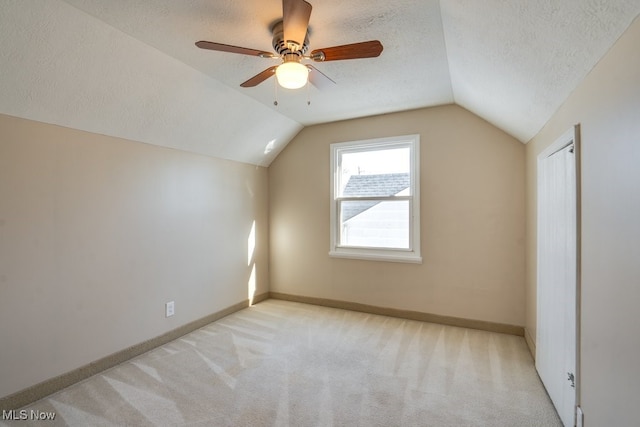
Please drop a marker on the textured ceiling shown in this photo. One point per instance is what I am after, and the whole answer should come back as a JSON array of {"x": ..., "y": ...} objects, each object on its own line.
[{"x": 129, "y": 68}]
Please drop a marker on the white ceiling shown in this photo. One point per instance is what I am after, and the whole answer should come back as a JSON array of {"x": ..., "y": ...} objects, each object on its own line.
[{"x": 129, "y": 68}]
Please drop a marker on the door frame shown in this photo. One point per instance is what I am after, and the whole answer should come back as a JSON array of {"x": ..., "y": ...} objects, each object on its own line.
[{"x": 572, "y": 136}]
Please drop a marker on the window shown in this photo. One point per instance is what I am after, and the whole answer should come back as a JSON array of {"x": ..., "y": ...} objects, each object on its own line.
[{"x": 375, "y": 199}]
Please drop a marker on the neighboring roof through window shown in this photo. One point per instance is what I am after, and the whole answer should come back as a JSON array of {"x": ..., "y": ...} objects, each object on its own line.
[{"x": 387, "y": 184}]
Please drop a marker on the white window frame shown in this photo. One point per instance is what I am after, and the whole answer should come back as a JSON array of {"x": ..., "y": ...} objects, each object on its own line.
[{"x": 411, "y": 255}]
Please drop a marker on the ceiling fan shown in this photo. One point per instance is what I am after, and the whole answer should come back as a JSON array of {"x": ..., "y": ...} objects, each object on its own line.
[{"x": 291, "y": 42}]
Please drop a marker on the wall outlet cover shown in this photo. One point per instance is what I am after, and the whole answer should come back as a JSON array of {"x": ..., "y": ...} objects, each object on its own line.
[{"x": 169, "y": 309}]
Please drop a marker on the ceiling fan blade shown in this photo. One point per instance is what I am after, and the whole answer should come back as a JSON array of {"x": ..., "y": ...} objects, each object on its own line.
[
  {"x": 319, "y": 79},
  {"x": 368, "y": 49},
  {"x": 232, "y": 49},
  {"x": 260, "y": 77},
  {"x": 295, "y": 20}
]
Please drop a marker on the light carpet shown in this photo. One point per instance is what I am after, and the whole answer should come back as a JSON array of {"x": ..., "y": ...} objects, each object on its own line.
[{"x": 281, "y": 363}]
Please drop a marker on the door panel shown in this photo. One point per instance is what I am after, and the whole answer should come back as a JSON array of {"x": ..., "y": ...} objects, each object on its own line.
[{"x": 556, "y": 339}]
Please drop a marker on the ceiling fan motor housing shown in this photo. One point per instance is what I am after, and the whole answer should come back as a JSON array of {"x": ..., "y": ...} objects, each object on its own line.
[{"x": 287, "y": 47}]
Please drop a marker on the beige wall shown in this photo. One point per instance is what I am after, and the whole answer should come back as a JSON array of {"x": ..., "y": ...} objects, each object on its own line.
[
  {"x": 472, "y": 220},
  {"x": 607, "y": 106},
  {"x": 97, "y": 233}
]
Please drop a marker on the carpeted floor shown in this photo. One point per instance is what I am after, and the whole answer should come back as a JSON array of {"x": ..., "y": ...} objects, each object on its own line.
[{"x": 280, "y": 363}]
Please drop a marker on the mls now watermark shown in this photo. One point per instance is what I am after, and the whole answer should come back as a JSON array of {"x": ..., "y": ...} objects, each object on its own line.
[{"x": 30, "y": 415}]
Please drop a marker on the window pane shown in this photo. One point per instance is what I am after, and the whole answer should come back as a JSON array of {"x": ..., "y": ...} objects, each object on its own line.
[
  {"x": 375, "y": 199},
  {"x": 375, "y": 224},
  {"x": 380, "y": 172}
]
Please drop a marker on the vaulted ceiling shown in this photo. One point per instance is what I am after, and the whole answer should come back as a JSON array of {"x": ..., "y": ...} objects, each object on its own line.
[{"x": 129, "y": 68}]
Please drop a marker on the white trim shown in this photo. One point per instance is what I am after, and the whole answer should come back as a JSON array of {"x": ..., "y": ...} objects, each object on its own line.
[
  {"x": 380, "y": 255},
  {"x": 412, "y": 255}
]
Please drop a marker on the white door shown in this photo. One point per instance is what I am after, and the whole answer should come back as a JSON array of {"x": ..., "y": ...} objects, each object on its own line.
[{"x": 556, "y": 340}]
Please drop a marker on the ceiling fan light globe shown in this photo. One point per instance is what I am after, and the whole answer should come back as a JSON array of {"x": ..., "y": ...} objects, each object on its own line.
[{"x": 292, "y": 75}]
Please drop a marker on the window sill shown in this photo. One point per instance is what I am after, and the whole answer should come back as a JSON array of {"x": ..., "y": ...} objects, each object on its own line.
[{"x": 410, "y": 258}]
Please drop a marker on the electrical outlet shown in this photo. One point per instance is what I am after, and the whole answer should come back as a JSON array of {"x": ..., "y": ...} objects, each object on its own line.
[{"x": 169, "y": 309}]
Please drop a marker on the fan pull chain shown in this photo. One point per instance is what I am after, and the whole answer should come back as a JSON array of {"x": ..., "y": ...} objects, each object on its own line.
[
  {"x": 308, "y": 94},
  {"x": 275, "y": 90}
]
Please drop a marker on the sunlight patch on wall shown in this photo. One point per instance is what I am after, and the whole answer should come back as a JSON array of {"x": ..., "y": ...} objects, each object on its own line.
[
  {"x": 251, "y": 285},
  {"x": 251, "y": 248},
  {"x": 251, "y": 244}
]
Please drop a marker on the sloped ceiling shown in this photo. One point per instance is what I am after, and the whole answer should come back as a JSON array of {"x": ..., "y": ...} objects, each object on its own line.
[{"x": 129, "y": 68}]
